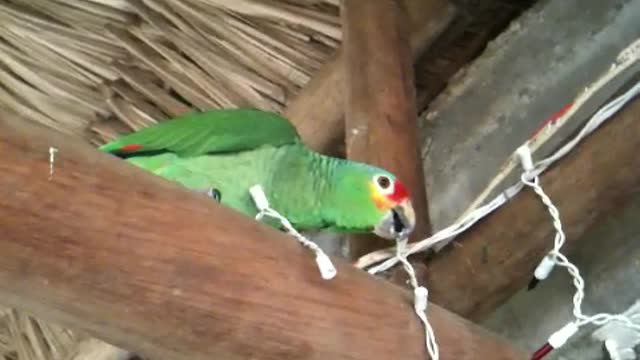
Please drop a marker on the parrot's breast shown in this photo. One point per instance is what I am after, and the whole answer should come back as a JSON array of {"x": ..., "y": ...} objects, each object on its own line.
[
  {"x": 297, "y": 182},
  {"x": 232, "y": 174}
]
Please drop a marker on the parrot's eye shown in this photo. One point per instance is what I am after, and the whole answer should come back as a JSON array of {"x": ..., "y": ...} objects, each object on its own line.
[{"x": 384, "y": 184}]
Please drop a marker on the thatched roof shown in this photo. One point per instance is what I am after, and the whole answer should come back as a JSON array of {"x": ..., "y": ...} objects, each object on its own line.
[{"x": 109, "y": 66}]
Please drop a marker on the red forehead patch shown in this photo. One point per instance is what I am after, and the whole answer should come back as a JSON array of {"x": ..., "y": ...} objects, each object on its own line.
[{"x": 399, "y": 192}]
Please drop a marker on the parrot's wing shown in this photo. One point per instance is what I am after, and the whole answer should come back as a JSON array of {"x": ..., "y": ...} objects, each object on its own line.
[{"x": 215, "y": 131}]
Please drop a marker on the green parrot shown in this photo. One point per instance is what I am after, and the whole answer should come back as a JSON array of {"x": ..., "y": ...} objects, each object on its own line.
[{"x": 223, "y": 153}]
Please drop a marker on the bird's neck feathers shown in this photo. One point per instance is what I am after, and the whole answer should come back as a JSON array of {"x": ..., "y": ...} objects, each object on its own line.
[
  {"x": 313, "y": 189},
  {"x": 341, "y": 192}
]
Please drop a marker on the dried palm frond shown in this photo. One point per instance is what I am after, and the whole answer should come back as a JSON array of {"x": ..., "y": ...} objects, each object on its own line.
[{"x": 164, "y": 57}]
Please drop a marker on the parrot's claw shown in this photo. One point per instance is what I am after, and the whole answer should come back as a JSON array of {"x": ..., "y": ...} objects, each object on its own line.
[
  {"x": 215, "y": 194},
  {"x": 212, "y": 193}
]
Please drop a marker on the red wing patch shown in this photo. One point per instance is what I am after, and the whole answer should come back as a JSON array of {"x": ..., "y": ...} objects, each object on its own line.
[{"x": 130, "y": 147}]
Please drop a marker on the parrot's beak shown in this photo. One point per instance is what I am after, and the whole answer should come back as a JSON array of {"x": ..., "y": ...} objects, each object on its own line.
[{"x": 398, "y": 223}]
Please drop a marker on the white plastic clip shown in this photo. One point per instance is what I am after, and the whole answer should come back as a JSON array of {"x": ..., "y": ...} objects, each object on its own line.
[
  {"x": 259, "y": 198},
  {"x": 545, "y": 267},
  {"x": 421, "y": 295},
  {"x": 611, "y": 346},
  {"x": 325, "y": 266},
  {"x": 327, "y": 270},
  {"x": 616, "y": 353},
  {"x": 560, "y": 337},
  {"x": 526, "y": 159}
]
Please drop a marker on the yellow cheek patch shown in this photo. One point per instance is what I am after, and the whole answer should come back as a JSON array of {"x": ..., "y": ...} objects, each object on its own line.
[{"x": 381, "y": 201}]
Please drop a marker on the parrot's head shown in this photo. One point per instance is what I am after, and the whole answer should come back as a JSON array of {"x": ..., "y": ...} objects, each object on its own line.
[
  {"x": 378, "y": 201},
  {"x": 391, "y": 198}
]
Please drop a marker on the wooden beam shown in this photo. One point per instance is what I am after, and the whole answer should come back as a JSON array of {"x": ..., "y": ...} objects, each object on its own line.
[
  {"x": 318, "y": 110},
  {"x": 146, "y": 265},
  {"x": 381, "y": 114},
  {"x": 487, "y": 265}
]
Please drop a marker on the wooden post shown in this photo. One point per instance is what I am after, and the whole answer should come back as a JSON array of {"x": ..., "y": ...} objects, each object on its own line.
[
  {"x": 146, "y": 265},
  {"x": 381, "y": 114},
  {"x": 496, "y": 258},
  {"x": 318, "y": 110}
]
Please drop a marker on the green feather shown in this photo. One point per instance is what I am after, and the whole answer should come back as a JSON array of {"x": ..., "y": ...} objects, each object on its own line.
[{"x": 193, "y": 134}]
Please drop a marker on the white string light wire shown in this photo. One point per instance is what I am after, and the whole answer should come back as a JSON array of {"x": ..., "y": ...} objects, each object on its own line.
[
  {"x": 328, "y": 271},
  {"x": 555, "y": 257},
  {"x": 625, "y": 59},
  {"x": 594, "y": 123},
  {"x": 421, "y": 299},
  {"x": 325, "y": 266},
  {"x": 530, "y": 178}
]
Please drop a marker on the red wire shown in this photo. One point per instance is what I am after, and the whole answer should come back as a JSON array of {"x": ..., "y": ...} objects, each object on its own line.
[
  {"x": 555, "y": 116},
  {"x": 542, "y": 352}
]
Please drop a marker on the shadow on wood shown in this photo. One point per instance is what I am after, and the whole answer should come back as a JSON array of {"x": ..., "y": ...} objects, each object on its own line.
[{"x": 149, "y": 266}]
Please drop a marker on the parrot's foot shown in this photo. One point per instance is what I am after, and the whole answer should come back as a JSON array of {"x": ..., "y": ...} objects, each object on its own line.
[
  {"x": 212, "y": 193},
  {"x": 215, "y": 194}
]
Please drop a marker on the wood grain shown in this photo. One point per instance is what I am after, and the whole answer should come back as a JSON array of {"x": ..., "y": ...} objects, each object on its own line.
[
  {"x": 488, "y": 264},
  {"x": 318, "y": 110},
  {"x": 381, "y": 114},
  {"x": 150, "y": 267}
]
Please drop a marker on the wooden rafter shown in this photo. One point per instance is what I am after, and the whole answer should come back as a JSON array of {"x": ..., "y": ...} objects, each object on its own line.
[
  {"x": 318, "y": 110},
  {"x": 381, "y": 114}
]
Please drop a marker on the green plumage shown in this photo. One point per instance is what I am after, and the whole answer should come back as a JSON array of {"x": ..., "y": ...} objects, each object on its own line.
[{"x": 232, "y": 150}]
